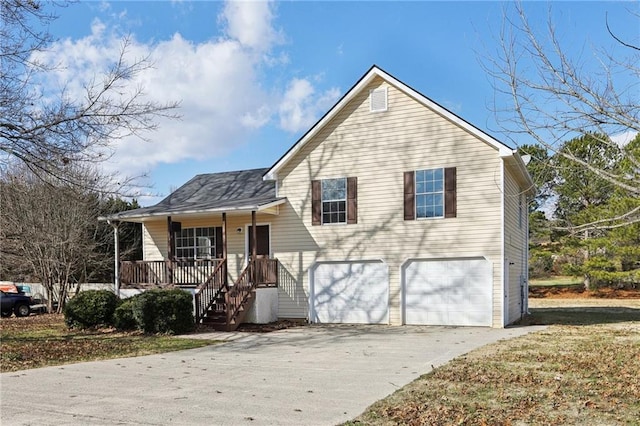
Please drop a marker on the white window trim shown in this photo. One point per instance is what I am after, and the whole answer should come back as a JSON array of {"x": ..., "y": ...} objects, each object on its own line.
[
  {"x": 322, "y": 201},
  {"x": 195, "y": 246},
  {"x": 415, "y": 194}
]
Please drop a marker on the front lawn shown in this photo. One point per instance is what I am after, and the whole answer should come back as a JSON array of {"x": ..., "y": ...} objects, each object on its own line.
[
  {"x": 583, "y": 369},
  {"x": 43, "y": 340}
]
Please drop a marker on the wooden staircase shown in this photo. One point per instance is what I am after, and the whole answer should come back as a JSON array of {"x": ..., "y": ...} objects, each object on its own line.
[
  {"x": 224, "y": 316},
  {"x": 224, "y": 307}
]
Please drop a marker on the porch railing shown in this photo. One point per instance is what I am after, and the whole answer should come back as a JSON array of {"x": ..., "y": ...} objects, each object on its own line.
[
  {"x": 207, "y": 293},
  {"x": 258, "y": 273},
  {"x": 163, "y": 272}
]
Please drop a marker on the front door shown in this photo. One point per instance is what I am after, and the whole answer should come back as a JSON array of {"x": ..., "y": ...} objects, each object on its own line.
[{"x": 263, "y": 245}]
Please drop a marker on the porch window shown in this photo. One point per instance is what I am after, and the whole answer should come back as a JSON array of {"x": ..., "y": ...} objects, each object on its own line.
[{"x": 199, "y": 243}]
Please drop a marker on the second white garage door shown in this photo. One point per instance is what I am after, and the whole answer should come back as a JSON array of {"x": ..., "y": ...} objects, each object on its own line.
[
  {"x": 448, "y": 292},
  {"x": 350, "y": 293}
]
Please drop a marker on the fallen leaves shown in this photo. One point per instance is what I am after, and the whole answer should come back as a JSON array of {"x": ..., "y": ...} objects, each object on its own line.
[
  {"x": 38, "y": 341},
  {"x": 564, "y": 375}
]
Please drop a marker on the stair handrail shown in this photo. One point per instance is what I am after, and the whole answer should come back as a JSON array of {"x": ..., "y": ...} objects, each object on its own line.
[
  {"x": 239, "y": 293},
  {"x": 209, "y": 290}
]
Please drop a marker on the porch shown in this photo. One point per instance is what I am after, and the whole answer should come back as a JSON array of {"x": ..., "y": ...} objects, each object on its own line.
[{"x": 185, "y": 244}]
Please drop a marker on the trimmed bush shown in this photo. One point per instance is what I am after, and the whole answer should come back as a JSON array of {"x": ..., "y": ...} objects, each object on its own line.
[
  {"x": 123, "y": 316},
  {"x": 91, "y": 308},
  {"x": 157, "y": 311}
]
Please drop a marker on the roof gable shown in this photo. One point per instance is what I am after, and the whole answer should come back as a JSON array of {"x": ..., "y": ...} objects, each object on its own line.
[{"x": 360, "y": 85}]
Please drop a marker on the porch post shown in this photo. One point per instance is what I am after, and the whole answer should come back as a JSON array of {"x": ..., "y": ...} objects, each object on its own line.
[
  {"x": 224, "y": 244},
  {"x": 170, "y": 254},
  {"x": 224, "y": 235},
  {"x": 116, "y": 242},
  {"x": 254, "y": 244}
]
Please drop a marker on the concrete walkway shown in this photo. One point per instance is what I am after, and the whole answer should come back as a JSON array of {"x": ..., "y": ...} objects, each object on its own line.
[{"x": 317, "y": 375}]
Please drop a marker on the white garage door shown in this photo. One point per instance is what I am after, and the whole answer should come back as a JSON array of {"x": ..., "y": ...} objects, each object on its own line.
[
  {"x": 448, "y": 292},
  {"x": 350, "y": 293}
]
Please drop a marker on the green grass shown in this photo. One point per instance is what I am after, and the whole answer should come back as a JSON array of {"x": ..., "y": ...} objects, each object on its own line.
[
  {"x": 39, "y": 341},
  {"x": 555, "y": 281},
  {"x": 583, "y": 369}
]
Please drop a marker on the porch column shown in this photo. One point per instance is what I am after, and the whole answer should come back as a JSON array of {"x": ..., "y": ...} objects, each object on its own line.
[
  {"x": 224, "y": 235},
  {"x": 254, "y": 244},
  {"x": 254, "y": 236},
  {"x": 224, "y": 245},
  {"x": 170, "y": 254},
  {"x": 116, "y": 242}
]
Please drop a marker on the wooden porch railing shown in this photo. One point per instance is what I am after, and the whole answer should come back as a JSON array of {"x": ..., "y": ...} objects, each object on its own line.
[
  {"x": 159, "y": 272},
  {"x": 209, "y": 291},
  {"x": 266, "y": 274}
]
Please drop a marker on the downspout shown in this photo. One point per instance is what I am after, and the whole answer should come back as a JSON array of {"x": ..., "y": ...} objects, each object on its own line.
[
  {"x": 116, "y": 242},
  {"x": 503, "y": 259},
  {"x": 526, "y": 261}
]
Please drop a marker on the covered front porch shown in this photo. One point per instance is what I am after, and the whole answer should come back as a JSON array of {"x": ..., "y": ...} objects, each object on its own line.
[{"x": 209, "y": 239}]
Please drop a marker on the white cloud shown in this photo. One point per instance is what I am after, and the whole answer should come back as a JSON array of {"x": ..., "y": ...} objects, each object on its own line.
[
  {"x": 300, "y": 108},
  {"x": 624, "y": 138},
  {"x": 250, "y": 22},
  {"x": 220, "y": 85}
]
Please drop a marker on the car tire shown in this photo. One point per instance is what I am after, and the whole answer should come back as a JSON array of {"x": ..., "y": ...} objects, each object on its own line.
[
  {"x": 22, "y": 310},
  {"x": 5, "y": 314}
]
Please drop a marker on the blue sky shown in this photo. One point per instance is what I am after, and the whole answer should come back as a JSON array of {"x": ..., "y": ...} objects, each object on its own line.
[{"x": 252, "y": 77}]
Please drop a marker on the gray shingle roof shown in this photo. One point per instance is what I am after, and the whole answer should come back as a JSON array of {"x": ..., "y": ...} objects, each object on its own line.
[{"x": 227, "y": 191}]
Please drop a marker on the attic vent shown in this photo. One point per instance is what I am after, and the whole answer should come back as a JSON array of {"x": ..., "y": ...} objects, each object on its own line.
[{"x": 378, "y": 99}]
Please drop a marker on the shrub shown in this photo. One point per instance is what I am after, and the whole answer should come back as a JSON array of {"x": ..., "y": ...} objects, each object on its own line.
[
  {"x": 158, "y": 311},
  {"x": 540, "y": 264},
  {"x": 91, "y": 308},
  {"x": 123, "y": 318}
]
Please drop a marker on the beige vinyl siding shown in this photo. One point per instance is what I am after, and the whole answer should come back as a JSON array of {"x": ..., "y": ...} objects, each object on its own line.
[
  {"x": 154, "y": 239},
  {"x": 515, "y": 239},
  {"x": 377, "y": 148}
]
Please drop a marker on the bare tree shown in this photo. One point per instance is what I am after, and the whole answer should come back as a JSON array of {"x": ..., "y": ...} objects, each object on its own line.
[
  {"x": 47, "y": 228},
  {"x": 48, "y": 132},
  {"x": 546, "y": 96}
]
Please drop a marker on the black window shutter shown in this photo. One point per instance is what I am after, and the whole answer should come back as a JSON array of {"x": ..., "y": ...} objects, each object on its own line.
[
  {"x": 352, "y": 200},
  {"x": 218, "y": 253},
  {"x": 316, "y": 202},
  {"x": 450, "y": 208},
  {"x": 409, "y": 196}
]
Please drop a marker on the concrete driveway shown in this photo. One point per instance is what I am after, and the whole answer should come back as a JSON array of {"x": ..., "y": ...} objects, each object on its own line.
[{"x": 317, "y": 375}]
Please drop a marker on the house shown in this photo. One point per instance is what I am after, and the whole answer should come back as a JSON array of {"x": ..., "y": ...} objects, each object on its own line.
[{"x": 389, "y": 210}]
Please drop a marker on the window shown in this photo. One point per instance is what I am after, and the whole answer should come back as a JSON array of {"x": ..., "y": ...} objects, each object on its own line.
[
  {"x": 429, "y": 193},
  {"x": 334, "y": 200},
  {"x": 198, "y": 243}
]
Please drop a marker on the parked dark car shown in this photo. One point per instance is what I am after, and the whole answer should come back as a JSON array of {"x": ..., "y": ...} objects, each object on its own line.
[{"x": 17, "y": 303}]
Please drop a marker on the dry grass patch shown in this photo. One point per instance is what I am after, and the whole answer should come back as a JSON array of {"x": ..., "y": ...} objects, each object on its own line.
[
  {"x": 585, "y": 373},
  {"x": 44, "y": 340}
]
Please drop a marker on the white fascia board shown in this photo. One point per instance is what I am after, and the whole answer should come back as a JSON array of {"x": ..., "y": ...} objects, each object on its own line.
[
  {"x": 272, "y": 174},
  {"x": 247, "y": 208},
  {"x": 516, "y": 163}
]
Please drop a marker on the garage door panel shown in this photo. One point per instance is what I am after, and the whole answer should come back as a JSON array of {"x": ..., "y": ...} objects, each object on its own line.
[
  {"x": 448, "y": 292},
  {"x": 355, "y": 292}
]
